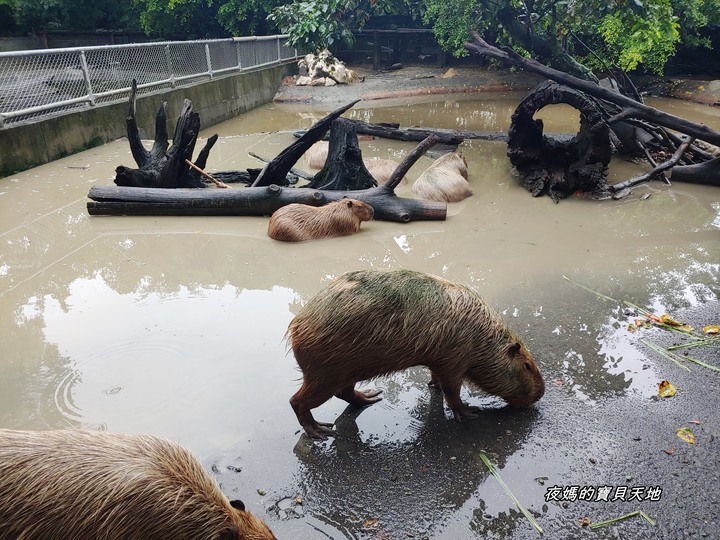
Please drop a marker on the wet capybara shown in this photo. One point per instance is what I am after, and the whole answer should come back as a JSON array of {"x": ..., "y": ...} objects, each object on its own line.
[
  {"x": 300, "y": 222},
  {"x": 379, "y": 168},
  {"x": 370, "y": 323},
  {"x": 81, "y": 484},
  {"x": 444, "y": 180}
]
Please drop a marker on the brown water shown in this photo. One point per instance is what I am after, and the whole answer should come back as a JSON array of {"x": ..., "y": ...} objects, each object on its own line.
[{"x": 174, "y": 325}]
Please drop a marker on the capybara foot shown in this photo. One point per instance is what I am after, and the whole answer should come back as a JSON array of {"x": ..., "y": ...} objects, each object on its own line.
[
  {"x": 466, "y": 411},
  {"x": 359, "y": 398},
  {"x": 318, "y": 430}
]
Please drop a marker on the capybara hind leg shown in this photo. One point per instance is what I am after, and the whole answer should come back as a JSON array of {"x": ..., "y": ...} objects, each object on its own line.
[
  {"x": 358, "y": 398},
  {"x": 302, "y": 402}
]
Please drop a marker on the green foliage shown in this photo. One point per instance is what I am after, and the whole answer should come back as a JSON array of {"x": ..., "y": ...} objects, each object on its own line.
[
  {"x": 318, "y": 24},
  {"x": 74, "y": 15},
  {"x": 248, "y": 17},
  {"x": 452, "y": 21},
  {"x": 647, "y": 38}
]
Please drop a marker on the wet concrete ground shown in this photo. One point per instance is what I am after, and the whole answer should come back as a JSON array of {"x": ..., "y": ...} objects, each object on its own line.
[{"x": 174, "y": 326}]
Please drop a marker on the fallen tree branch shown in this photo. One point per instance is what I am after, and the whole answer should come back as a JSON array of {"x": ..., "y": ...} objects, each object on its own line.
[{"x": 659, "y": 169}]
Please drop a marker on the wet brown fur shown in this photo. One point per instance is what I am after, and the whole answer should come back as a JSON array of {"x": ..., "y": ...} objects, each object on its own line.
[
  {"x": 368, "y": 324},
  {"x": 301, "y": 222},
  {"x": 444, "y": 180},
  {"x": 58, "y": 485}
]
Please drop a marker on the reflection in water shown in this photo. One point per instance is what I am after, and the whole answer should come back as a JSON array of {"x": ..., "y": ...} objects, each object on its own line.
[{"x": 175, "y": 325}]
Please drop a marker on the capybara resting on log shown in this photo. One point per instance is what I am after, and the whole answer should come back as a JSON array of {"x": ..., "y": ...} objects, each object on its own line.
[
  {"x": 368, "y": 324},
  {"x": 300, "y": 222},
  {"x": 444, "y": 180},
  {"x": 81, "y": 484}
]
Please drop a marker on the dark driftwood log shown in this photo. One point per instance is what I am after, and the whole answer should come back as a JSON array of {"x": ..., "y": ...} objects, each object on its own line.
[
  {"x": 252, "y": 201},
  {"x": 161, "y": 167},
  {"x": 344, "y": 168},
  {"x": 630, "y": 110},
  {"x": 555, "y": 167}
]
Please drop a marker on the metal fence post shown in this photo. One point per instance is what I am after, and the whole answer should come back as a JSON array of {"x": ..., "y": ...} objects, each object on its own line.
[
  {"x": 168, "y": 60},
  {"x": 209, "y": 62},
  {"x": 279, "y": 54},
  {"x": 86, "y": 76}
]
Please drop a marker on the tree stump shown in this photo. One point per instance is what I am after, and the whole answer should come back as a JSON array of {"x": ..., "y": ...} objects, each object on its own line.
[
  {"x": 344, "y": 168},
  {"x": 555, "y": 167}
]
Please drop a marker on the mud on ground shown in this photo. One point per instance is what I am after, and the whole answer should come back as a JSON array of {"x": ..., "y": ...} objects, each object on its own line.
[{"x": 413, "y": 81}]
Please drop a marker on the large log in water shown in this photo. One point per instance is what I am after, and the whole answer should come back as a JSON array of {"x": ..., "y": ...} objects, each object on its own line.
[
  {"x": 264, "y": 200},
  {"x": 257, "y": 201}
]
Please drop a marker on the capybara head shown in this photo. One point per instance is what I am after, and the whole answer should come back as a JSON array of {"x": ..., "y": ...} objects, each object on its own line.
[
  {"x": 361, "y": 210},
  {"x": 519, "y": 381}
]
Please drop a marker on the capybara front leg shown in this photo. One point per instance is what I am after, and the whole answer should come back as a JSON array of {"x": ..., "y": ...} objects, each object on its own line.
[
  {"x": 358, "y": 398},
  {"x": 302, "y": 402},
  {"x": 451, "y": 390}
]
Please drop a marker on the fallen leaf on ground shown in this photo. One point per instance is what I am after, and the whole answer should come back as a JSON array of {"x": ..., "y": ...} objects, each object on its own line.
[
  {"x": 666, "y": 319},
  {"x": 670, "y": 451},
  {"x": 370, "y": 523},
  {"x": 666, "y": 389},
  {"x": 585, "y": 522},
  {"x": 712, "y": 329},
  {"x": 686, "y": 435},
  {"x": 696, "y": 422}
]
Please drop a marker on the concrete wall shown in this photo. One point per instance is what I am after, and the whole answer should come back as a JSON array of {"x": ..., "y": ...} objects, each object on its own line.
[{"x": 25, "y": 146}]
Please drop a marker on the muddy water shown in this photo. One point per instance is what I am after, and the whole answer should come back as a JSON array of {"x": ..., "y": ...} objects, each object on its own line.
[{"x": 174, "y": 325}]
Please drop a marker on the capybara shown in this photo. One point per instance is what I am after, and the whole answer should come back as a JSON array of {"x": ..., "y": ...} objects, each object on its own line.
[
  {"x": 379, "y": 168},
  {"x": 371, "y": 323},
  {"x": 82, "y": 484},
  {"x": 300, "y": 222},
  {"x": 444, "y": 180}
]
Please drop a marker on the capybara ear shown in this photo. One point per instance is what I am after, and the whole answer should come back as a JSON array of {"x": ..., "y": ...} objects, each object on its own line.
[
  {"x": 514, "y": 349},
  {"x": 237, "y": 504},
  {"x": 349, "y": 204}
]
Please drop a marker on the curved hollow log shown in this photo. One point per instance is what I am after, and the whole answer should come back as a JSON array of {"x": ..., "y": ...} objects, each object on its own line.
[{"x": 556, "y": 167}]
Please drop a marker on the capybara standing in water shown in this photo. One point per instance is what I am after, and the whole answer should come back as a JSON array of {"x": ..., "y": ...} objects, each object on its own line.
[
  {"x": 300, "y": 222},
  {"x": 444, "y": 180},
  {"x": 81, "y": 484},
  {"x": 367, "y": 324}
]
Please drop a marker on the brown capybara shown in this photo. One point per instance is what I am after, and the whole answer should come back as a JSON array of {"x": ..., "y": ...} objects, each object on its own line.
[
  {"x": 444, "y": 180},
  {"x": 300, "y": 222},
  {"x": 380, "y": 169},
  {"x": 369, "y": 323},
  {"x": 57, "y": 485}
]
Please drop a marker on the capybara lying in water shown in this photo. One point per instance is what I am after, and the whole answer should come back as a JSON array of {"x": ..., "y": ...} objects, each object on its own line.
[
  {"x": 300, "y": 222},
  {"x": 367, "y": 324},
  {"x": 444, "y": 180},
  {"x": 79, "y": 484},
  {"x": 381, "y": 169}
]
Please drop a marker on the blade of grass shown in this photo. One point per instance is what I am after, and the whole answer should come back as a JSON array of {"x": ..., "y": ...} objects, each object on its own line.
[
  {"x": 590, "y": 290},
  {"x": 658, "y": 349},
  {"x": 494, "y": 472},
  {"x": 694, "y": 344},
  {"x": 607, "y": 522}
]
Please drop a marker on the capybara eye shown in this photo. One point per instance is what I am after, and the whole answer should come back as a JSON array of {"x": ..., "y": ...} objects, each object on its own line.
[
  {"x": 237, "y": 504},
  {"x": 528, "y": 366}
]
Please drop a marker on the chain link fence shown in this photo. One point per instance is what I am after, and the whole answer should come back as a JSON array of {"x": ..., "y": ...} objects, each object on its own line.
[{"x": 36, "y": 84}]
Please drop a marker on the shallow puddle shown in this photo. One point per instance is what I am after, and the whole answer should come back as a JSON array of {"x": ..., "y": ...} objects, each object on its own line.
[{"x": 175, "y": 325}]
